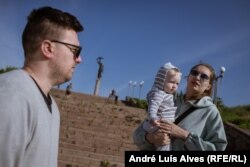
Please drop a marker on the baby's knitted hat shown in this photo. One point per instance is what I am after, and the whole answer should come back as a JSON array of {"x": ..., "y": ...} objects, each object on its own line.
[{"x": 161, "y": 75}]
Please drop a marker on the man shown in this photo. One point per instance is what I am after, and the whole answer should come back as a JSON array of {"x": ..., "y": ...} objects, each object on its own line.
[{"x": 29, "y": 116}]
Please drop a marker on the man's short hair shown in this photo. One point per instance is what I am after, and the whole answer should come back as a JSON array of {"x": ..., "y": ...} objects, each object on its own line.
[{"x": 46, "y": 23}]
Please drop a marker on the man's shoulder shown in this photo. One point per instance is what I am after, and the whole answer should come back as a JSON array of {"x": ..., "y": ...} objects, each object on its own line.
[
  {"x": 15, "y": 81},
  {"x": 13, "y": 75}
]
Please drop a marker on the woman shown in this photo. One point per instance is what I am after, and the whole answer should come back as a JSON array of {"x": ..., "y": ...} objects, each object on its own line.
[{"x": 202, "y": 129}]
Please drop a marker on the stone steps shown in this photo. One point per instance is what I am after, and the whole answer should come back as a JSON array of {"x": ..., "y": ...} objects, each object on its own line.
[
  {"x": 93, "y": 131},
  {"x": 79, "y": 153}
]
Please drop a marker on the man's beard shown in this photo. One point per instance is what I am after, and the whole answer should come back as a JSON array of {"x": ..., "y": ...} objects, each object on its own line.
[{"x": 58, "y": 77}]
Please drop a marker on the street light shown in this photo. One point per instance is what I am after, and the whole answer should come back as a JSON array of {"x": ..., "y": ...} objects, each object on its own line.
[
  {"x": 129, "y": 85},
  {"x": 141, "y": 84},
  {"x": 222, "y": 71},
  {"x": 134, "y": 85}
]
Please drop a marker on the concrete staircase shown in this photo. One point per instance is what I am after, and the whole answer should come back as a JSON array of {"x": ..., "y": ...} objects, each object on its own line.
[{"x": 94, "y": 132}]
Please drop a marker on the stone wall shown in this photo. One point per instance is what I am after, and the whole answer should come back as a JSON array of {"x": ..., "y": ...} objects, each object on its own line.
[{"x": 238, "y": 139}]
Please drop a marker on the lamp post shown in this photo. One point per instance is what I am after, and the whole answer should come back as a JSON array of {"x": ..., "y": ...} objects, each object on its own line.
[
  {"x": 134, "y": 85},
  {"x": 222, "y": 71},
  {"x": 141, "y": 84},
  {"x": 129, "y": 85}
]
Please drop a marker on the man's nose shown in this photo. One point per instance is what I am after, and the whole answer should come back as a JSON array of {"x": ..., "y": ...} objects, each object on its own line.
[{"x": 79, "y": 59}]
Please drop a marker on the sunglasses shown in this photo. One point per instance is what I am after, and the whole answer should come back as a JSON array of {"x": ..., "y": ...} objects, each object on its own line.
[
  {"x": 203, "y": 76},
  {"x": 76, "y": 50}
]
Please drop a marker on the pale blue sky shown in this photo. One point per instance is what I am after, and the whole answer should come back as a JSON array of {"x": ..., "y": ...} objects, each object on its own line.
[{"x": 136, "y": 37}]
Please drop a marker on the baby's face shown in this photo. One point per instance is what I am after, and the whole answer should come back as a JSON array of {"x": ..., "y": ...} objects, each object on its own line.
[{"x": 172, "y": 82}]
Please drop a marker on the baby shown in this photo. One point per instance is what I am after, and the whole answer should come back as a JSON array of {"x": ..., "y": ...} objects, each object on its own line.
[{"x": 160, "y": 99}]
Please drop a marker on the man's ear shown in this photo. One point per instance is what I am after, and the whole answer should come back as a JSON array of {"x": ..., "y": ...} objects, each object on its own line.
[{"x": 47, "y": 49}]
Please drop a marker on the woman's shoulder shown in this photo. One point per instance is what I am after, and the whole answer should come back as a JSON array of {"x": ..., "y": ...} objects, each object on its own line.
[
  {"x": 204, "y": 102},
  {"x": 207, "y": 104}
]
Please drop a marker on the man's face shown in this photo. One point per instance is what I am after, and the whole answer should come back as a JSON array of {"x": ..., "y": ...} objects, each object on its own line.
[{"x": 65, "y": 60}]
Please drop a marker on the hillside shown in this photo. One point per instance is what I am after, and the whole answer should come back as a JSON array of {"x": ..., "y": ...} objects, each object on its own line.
[{"x": 94, "y": 130}]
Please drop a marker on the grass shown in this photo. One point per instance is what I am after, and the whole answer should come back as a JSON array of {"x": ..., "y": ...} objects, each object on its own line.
[{"x": 239, "y": 116}]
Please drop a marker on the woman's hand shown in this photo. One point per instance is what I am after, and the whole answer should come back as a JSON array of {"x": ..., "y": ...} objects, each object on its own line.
[
  {"x": 166, "y": 129},
  {"x": 173, "y": 130},
  {"x": 158, "y": 138}
]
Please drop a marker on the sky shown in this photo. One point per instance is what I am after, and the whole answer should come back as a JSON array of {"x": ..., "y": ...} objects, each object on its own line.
[{"x": 136, "y": 37}]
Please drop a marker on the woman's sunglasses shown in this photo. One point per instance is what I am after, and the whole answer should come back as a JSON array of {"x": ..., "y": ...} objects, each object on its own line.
[{"x": 203, "y": 76}]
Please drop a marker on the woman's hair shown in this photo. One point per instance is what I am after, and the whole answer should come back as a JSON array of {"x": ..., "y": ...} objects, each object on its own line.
[{"x": 211, "y": 78}]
